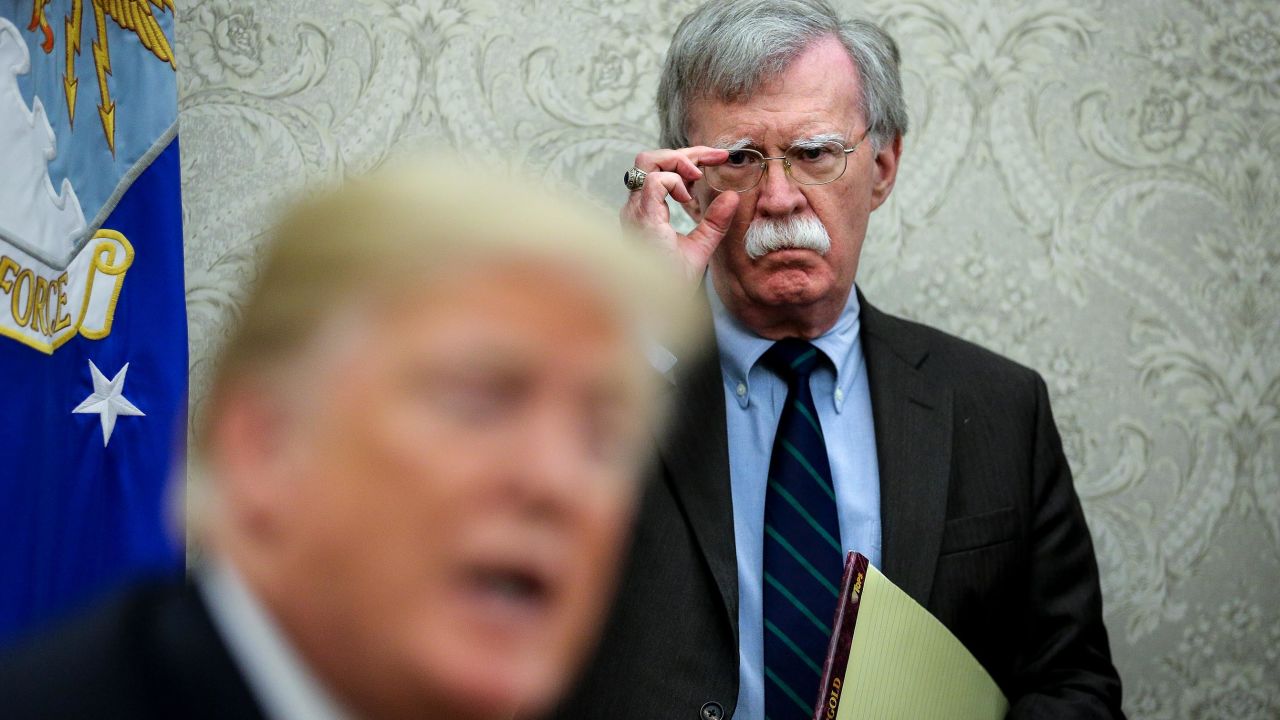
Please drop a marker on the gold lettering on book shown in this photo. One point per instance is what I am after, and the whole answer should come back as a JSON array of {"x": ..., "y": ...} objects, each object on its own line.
[{"x": 833, "y": 699}]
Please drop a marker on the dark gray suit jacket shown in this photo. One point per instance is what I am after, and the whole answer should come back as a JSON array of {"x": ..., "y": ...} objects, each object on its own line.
[
  {"x": 149, "y": 653},
  {"x": 981, "y": 525}
]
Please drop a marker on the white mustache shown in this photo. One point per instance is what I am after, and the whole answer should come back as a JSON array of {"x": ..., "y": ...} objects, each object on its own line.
[{"x": 794, "y": 233}]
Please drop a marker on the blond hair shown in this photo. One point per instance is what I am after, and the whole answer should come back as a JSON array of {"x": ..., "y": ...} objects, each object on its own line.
[{"x": 396, "y": 229}]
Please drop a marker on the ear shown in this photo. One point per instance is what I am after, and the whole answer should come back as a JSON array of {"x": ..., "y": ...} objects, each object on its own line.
[
  {"x": 886, "y": 172},
  {"x": 248, "y": 438}
]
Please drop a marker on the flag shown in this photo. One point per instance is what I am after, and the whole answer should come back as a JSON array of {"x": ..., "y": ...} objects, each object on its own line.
[{"x": 93, "y": 336}]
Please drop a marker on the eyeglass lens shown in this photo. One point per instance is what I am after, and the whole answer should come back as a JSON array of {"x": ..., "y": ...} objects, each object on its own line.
[{"x": 809, "y": 164}]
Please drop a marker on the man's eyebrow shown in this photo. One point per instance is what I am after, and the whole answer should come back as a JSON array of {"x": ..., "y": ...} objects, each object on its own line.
[
  {"x": 733, "y": 145},
  {"x": 819, "y": 139}
]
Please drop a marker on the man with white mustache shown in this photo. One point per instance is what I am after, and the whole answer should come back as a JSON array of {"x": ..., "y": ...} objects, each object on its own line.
[
  {"x": 796, "y": 233},
  {"x": 821, "y": 425}
]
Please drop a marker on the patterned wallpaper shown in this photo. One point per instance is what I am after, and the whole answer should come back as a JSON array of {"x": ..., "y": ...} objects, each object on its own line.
[{"x": 1090, "y": 187}]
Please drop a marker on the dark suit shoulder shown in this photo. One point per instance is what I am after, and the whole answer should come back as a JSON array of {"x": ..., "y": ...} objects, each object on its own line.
[
  {"x": 149, "y": 652},
  {"x": 958, "y": 363},
  {"x": 75, "y": 666}
]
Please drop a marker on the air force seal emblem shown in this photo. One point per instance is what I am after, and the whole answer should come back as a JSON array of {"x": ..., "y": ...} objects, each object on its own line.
[{"x": 60, "y": 274}]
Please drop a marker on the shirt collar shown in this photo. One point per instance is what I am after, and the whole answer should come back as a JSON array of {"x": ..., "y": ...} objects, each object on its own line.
[
  {"x": 741, "y": 349},
  {"x": 281, "y": 681}
]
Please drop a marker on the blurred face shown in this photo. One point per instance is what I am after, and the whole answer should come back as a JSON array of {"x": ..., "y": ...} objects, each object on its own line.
[
  {"x": 795, "y": 290},
  {"x": 452, "y": 493}
]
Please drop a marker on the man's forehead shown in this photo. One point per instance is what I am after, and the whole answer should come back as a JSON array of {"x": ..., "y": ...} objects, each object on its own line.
[
  {"x": 781, "y": 124},
  {"x": 817, "y": 92}
]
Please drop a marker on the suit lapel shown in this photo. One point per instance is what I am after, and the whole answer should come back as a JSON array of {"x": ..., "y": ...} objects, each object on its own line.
[
  {"x": 695, "y": 453},
  {"x": 913, "y": 443}
]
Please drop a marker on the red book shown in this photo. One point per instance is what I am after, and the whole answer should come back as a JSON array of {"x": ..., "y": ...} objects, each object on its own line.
[{"x": 833, "y": 670}]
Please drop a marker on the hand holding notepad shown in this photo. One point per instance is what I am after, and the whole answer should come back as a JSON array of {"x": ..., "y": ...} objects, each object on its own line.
[{"x": 890, "y": 658}]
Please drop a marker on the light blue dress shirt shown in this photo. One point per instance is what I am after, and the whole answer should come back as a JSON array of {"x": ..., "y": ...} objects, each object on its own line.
[{"x": 754, "y": 397}]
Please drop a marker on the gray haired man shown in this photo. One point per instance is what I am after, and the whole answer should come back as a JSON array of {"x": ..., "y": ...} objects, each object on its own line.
[{"x": 821, "y": 425}]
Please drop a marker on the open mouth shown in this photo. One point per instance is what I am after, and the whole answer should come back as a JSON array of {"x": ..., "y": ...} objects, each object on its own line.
[{"x": 509, "y": 589}]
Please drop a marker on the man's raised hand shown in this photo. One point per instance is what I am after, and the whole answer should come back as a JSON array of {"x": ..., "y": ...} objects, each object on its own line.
[{"x": 673, "y": 172}]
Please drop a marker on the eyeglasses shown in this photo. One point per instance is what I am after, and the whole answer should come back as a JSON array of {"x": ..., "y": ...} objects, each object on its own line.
[{"x": 809, "y": 163}]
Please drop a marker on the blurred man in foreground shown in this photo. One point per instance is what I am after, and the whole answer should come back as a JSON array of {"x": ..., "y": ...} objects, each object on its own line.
[{"x": 423, "y": 442}]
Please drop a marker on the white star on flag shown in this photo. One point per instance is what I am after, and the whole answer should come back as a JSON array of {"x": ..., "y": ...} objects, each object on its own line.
[{"x": 107, "y": 400}]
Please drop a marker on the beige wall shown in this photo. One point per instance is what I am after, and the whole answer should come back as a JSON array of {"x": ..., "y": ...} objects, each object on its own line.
[{"x": 1090, "y": 187}]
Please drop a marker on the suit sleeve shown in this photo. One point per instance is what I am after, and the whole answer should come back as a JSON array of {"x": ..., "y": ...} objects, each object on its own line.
[{"x": 1064, "y": 665}]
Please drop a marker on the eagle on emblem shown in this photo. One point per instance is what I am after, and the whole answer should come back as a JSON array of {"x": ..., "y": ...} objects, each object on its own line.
[{"x": 136, "y": 16}]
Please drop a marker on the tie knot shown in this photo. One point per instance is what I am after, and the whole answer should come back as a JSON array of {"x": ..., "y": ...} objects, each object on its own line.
[{"x": 792, "y": 358}]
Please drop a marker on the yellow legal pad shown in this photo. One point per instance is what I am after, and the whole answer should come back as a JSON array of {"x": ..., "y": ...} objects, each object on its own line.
[{"x": 902, "y": 662}]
